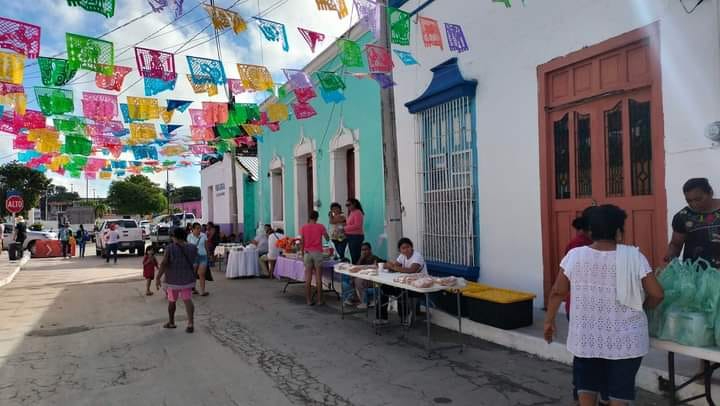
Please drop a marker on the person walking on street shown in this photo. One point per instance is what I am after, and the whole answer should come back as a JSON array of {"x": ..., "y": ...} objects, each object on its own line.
[
  {"x": 112, "y": 239},
  {"x": 200, "y": 241},
  {"x": 354, "y": 228},
  {"x": 611, "y": 284},
  {"x": 20, "y": 234},
  {"x": 64, "y": 237},
  {"x": 311, "y": 247},
  {"x": 177, "y": 267},
  {"x": 150, "y": 265},
  {"x": 81, "y": 236}
]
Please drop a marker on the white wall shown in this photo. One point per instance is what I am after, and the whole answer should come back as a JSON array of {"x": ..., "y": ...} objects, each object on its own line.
[
  {"x": 506, "y": 46},
  {"x": 220, "y": 174}
]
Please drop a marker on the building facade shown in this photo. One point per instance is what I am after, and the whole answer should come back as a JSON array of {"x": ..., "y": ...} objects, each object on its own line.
[
  {"x": 217, "y": 189},
  {"x": 194, "y": 207},
  {"x": 309, "y": 164},
  {"x": 551, "y": 110}
]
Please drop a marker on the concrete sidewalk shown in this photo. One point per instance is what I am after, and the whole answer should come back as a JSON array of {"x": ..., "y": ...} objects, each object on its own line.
[{"x": 9, "y": 269}]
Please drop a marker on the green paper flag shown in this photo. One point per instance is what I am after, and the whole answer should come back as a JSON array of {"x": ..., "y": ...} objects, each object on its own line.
[
  {"x": 69, "y": 124},
  {"x": 55, "y": 71},
  {"x": 330, "y": 81},
  {"x": 222, "y": 147},
  {"x": 227, "y": 132},
  {"x": 77, "y": 145},
  {"x": 399, "y": 26},
  {"x": 104, "y": 7},
  {"x": 90, "y": 53},
  {"x": 54, "y": 101},
  {"x": 351, "y": 53}
]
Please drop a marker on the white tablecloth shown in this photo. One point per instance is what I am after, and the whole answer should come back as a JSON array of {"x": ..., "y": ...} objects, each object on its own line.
[
  {"x": 386, "y": 278},
  {"x": 222, "y": 249},
  {"x": 242, "y": 262}
]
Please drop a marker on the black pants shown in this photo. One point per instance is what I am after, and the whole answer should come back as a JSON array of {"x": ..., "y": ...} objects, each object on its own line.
[
  {"x": 65, "y": 248},
  {"x": 340, "y": 247},
  {"x": 355, "y": 245},
  {"x": 111, "y": 250},
  {"x": 404, "y": 308}
]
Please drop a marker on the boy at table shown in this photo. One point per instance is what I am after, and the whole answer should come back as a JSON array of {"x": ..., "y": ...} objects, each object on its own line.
[
  {"x": 311, "y": 247},
  {"x": 409, "y": 261},
  {"x": 367, "y": 260}
]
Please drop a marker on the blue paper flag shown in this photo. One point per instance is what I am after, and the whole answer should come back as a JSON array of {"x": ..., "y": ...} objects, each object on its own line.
[
  {"x": 144, "y": 152},
  {"x": 332, "y": 96},
  {"x": 154, "y": 86},
  {"x": 119, "y": 173},
  {"x": 385, "y": 81},
  {"x": 179, "y": 105},
  {"x": 406, "y": 57},
  {"x": 273, "y": 32},
  {"x": 119, "y": 164},
  {"x": 168, "y": 129},
  {"x": 26, "y": 156},
  {"x": 203, "y": 70},
  {"x": 126, "y": 114}
]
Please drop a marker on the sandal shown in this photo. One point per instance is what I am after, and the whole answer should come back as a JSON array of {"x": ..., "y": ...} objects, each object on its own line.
[
  {"x": 205, "y": 294},
  {"x": 148, "y": 293},
  {"x": 190, "y": 329},
  {"x": 169, "y": 325}
]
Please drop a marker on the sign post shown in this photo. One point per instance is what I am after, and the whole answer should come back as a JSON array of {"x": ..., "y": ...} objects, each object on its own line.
[{"x": 14, "y": 204}]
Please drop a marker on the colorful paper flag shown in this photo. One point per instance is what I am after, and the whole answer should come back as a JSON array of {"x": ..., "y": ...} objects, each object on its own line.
[
  {"x": 210, "y": 88},
  {"x": 55, "y": 71},
  {"x": 456, "y": 38},
  {"x": 330, "y": 81},
  {"x": 99, "y": 106},
  {"x": 198, "y": 133},
  {"x": 236, "y": 86},
  {"x": 303, "y": 110},
  {"x": 384, "y": 80},
  {"x": 342, "y": 9},
  {"x": 15, "y": 101},
  {"x": 77, "y": 145},
  {"x": 155, "y": 64},
  {"x": 505, "y": 2},
  {"x": 12, "y": 68},
  {"x": 199, "y": 119},
  {"x": 324, "y": 5},
  {"x": 143, "y": 108},
  {"x": 273, "y": 32},
  {"x": 203, "y": 70},
  {"x": 7, "y": 88},
  {"x": 332, "y": 96},
  {"x": 311, "y": 37},
  {"x": 252, "y": 130},
  {"x": 379, "y": 58},
  {"x": 399, "y": 26},
  {"x": 406, "y": 57},
  {"x": 277, "y": 112},
  {"x": 255, "y": 77},
  {"x": 113, "y": 81},
  {"x": 20, "y": 37},
  {"x": 154, "y": 86},
  {"x": 179, "y": 105},
  {"x": 297, "y": 79},
  {"x": 369, "y": 13},
  {"x": 54, "y": 101},
  {"x": 215, "y": 112},
  {"x": 104, "y": 7},
  {"x": 223, "y": 19},
  {"x": 159, "y": 5},
  {"x": 90, "y": 53},
  {"x": 351, "y": 53},
  {"x": 430, "y": 32},
  {"x": 142, "y": 133}
]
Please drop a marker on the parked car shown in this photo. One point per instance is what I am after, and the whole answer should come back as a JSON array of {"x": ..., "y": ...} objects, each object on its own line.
[
  {"x": 161, "y": 232},
  {"x": 32, "y": 236},
  {"x": 145, "y": 226},
  {"x": 131, "y": 238}
]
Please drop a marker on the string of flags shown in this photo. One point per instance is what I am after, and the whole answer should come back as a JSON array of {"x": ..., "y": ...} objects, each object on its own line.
[{"x": 93, "y": 143}]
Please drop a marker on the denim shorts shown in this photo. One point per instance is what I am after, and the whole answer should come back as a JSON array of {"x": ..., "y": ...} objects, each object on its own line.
[
  {"x": 201, "y": 260},
  {"x": 616, "y": 378}
]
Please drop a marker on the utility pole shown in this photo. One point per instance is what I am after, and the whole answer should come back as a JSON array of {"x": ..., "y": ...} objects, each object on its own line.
[
  {"x": 167, "y": 189},
  {"x": 393, "y": 207}
]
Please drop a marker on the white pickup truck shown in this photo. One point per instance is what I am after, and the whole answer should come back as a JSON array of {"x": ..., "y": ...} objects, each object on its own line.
[{"x": 131, "y": 238}]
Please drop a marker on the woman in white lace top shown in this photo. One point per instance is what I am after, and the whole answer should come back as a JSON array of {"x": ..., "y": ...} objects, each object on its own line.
[{"x": 607, "y": 338}]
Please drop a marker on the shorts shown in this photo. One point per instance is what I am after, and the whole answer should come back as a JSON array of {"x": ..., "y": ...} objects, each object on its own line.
[
  {"x": 616, "y": 378},
  {"x": 201, "y": 260},
  {"x": 185, "y": 294},
  {"x": 313, "y": 259}
]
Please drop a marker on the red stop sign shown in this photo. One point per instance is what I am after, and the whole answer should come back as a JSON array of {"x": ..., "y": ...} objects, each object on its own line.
[{"x": 14, "y": 204}]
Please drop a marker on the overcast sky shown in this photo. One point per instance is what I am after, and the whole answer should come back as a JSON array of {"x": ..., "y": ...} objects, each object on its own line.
[{"x": 56, "y": 18}]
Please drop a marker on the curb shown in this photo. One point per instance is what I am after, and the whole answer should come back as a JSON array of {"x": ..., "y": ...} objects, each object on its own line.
[
  {"x": 647, "y": 377},
  {"x": 6, "y": 280}
]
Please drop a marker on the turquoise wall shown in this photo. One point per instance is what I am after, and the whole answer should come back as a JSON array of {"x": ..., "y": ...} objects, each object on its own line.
[
  {"x": 359, "y": 112},
  {"x": 249, "y": 211}
]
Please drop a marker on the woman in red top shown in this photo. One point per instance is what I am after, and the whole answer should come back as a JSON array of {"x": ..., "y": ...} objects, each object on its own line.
[
  {"x": 150, "y": 264},
  {"x": 354, "y": 232}
]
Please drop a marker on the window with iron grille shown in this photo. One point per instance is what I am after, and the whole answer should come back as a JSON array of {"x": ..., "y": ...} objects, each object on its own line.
[{"x": 447, "y": 175}]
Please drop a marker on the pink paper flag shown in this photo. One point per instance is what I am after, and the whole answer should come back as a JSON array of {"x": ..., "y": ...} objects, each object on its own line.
[
  {"x": 11, "y": 122},
  {"x": 201, "y": 133},
  {"x": 236, "y": 86},
  {"x": 303, "y": 110},
  {"x": 21, "y": 37},
  {"x": 33, "y": 119},
  {"x": 9, "y": 88},
  {"x": 215, "y": 112},
  {"x": 305, "y": 94},
  {"x": 114, "y": 81},
  {"x": 311, "y": 37},
  {"x": 155, "y": 64},
  {"x": 198, "y": 118},
  {"x": 379, "y": 58},
  {"x": 99, "y": 106}
]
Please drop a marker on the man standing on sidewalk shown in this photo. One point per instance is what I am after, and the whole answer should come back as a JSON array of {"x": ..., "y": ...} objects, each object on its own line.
[
  {"x": 20, "y": 234},
  {"x": 112, "y": 239}
]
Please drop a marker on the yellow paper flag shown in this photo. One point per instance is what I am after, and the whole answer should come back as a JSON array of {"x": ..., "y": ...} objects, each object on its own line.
[
  {"x": 12, "y": 67},
  {"x": 252, "y": 129},
  {"x": 342, "y": 9},
  {"x": 142, "y": 133},
  {"x": 17, "y": 101},
  {"x": 143, "y": 108},
  {"x": 104, "y": 175},
  {"x": 255, "y": 77},
  {"x": 210, "y": 88},
  {"x": 167, "y": 116},
  {"x": 277, "y": 112}
]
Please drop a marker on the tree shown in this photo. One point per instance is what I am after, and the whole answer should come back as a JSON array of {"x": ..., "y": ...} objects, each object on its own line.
[
  {"x": 185, "y": 194},
  {"x": 61, "y": 194},
  {"x": 30, "y": 184},
  {"x": 136, "y": 194},
  {"x": 101, "y": 208}
]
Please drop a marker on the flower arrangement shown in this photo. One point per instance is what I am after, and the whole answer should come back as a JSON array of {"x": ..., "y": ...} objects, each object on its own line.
[{"x": 288, "y": 244}]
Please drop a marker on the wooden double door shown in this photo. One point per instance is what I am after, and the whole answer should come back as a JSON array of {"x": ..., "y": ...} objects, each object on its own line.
[{"x": 605, "y": 148}]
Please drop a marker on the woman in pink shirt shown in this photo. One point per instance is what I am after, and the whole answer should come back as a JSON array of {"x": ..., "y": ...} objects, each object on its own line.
[
  {"x": 354, "y": 228},
  {"x": 311, "y": 247}
]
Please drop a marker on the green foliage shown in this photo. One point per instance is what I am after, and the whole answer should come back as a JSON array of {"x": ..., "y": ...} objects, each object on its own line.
[
  {"x": 61, "y": 194},
  {"x": 29, "y": 183},
  {"x": 36, "y": 227},
  {"x": 185, "y": 194},
  {"x": 136, "y": 194}
]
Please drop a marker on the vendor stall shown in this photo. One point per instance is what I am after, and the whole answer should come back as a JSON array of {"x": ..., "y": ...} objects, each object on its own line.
[
  {"x": 242, "y": 262},
  {"x": 420, "y": 284},
  {"x": 293, "y": 271}
]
